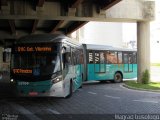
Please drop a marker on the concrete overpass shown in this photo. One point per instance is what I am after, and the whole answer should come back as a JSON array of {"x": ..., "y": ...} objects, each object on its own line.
[{"x": 23, "y": 17}]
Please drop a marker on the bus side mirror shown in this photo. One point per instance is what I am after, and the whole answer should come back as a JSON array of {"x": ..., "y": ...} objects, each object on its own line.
[{"x": 63, "y": 49}]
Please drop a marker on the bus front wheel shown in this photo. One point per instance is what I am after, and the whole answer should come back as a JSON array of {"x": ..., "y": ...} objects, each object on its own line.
[{"x": 118, "y": 77}]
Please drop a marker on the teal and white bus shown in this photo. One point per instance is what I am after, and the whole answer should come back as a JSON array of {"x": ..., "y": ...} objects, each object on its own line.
[
  {"x": 46, "y": 65},
  {"x": 104, "y": 63}
]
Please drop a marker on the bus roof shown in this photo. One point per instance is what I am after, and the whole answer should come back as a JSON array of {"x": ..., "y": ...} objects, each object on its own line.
[
  {"x": 40, "y": 38},
  {"x": 106, "y": 47}
]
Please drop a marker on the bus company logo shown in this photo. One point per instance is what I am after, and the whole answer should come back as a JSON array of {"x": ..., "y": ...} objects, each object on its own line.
[
  {"x": 33, "y": 49},
  {"x": 9, "y": 117},
  {"x": 20, "y": 71}
]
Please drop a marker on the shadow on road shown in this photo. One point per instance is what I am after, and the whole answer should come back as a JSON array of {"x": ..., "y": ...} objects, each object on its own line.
[{"x": 97, "y": 82}]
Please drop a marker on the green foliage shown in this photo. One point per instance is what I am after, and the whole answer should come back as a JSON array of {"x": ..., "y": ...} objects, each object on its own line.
[
  {"x": 150, "y": 86},
  {"x": 145, "y": 77}
]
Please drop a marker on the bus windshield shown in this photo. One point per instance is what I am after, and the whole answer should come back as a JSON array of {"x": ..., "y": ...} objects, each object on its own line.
[{"x": 35, "y": 64}]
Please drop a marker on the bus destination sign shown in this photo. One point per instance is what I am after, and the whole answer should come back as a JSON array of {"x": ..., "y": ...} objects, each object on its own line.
[
  {"x": 21, "y": 71},
  {"x": 33, "y": 49}
]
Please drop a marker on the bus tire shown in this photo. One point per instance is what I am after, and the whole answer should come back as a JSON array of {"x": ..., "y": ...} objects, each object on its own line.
[
  {"x": 70, "y": 90},
  {"x": 80, "y": 86},
  {"x": 118, "y": 77},
  {"x": 82, "y": 81},
  {"x": 102, "y": 81}
]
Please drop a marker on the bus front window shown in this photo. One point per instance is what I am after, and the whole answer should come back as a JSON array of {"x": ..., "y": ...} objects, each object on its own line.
[{"x": 40, "y": 64}]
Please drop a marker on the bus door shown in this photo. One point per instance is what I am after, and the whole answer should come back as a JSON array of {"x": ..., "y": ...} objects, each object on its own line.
[
  {"x": 128, "y": 64},
  {"x": 99, "y": 60},
  {"x": 77, "y": 68}
]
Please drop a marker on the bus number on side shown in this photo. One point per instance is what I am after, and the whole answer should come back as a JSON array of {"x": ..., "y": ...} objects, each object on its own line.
[{"x": 23, "y": 83}]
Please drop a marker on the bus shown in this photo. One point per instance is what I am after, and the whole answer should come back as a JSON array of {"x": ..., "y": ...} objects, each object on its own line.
[
  {"x": 109, "y": 63},
  {"x": 46, "y": 65}
]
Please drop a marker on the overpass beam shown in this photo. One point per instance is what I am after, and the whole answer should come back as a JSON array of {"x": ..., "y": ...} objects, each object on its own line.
[{"x": 143, "y": 48}]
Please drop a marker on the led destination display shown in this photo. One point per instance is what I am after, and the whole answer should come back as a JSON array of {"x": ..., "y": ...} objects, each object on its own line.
[
  {"x": 21, "y": 71},
  {"x": 33, "y": 49}
]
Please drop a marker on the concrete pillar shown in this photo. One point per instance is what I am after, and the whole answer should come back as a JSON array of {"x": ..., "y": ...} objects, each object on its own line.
[
  {"x": 143, "y": 47},
  {"x": 1, "y": 58}
]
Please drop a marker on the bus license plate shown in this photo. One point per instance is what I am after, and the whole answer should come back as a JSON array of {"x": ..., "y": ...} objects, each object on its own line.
[{"x": 33, "y": 93}]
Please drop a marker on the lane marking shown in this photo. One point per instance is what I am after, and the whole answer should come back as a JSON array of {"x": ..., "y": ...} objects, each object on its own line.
[
  {"x": 112, "y": 97},
  {"x": 145, "y": 101},
  {"x": 53, "y": 111},
  {"x": 93, "y": 93},
  {"x": 24, "y": 111},
  {"x": 111, "y": 89}
]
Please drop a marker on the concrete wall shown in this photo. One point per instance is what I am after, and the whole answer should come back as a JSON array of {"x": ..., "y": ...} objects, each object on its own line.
[
  {"x": 102, "y": 33},
  {"x": 1, "y": 58},
  {"x": 132, "y": 9},
  {"x": 126, "y": 10}
]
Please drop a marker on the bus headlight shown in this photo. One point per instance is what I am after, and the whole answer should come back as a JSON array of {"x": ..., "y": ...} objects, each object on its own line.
[
  {"x": 12, "y": 80},
  {"x": 56, "y": 79}
]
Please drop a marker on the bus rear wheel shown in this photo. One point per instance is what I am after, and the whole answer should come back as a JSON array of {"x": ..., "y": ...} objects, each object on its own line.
[
  {"x": 118, "y": 77},
  {"x": 82, "y": 81}
]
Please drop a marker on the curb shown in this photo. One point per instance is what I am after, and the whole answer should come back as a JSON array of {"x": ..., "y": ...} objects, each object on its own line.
[{"x": 140, "y": 89}]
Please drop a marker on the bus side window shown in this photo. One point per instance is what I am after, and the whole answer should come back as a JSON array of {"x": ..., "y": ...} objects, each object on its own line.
[
  {"x": 108, "y": 57},
  {"x": 81, "y": 57},
  {"x": 125, "y": 58},
  {"x": 90, "y": 56},
  {"x": 102, "y": 60},
  {"x": 119, "y": 57},
  {"x": 112, "y": 57},
  {"x": 134, "y": 58},
  {"x": 77, "y": 54},
  {"x": 74, "y": 57},
  {"x": 66, "y": 59},
  {"x": 97, "y": 57},
  {"x": 130, "y": 59}
]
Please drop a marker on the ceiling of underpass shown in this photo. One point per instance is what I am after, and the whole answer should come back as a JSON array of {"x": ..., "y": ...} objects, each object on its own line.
[{"x": 12, "y": 27}]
